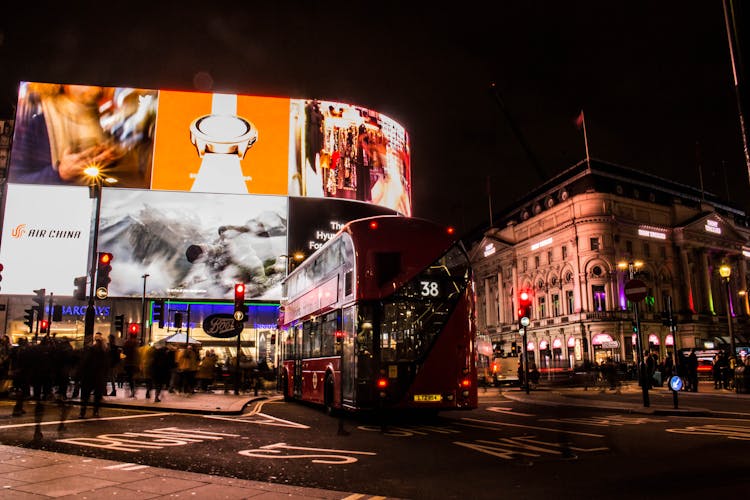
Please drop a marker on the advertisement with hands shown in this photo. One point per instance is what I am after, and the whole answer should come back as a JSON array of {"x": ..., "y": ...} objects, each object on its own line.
[{"x": 197, "y": 253}]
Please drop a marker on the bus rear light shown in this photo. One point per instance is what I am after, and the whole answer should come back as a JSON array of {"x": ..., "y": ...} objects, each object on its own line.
[
  {"x": 451, "y": 230},
  {"x": 466, "y": 383},
  {"x": 373, "y": 224},
  {"x": 465, "y": 394},
  {"x": 449, "y": 397},
  {"x": 382, "y": 383}
]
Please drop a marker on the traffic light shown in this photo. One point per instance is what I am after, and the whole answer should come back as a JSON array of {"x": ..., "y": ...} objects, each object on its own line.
[
  {"x": 178, "y": 320},
  {"x": 134, "y": 328},
  {"x": 524, "y": 305},
  {"x": 120, "y": 323},
  {"x": 158, "y": 313},
  {"x": 28, "y": 318},
  {"x": 80, "y": 291},
  {"x": 39, "y": 299},
  {"x": 1, "y": 272},
  {"x": 43, "y": 326},
  {"x": 635, "y": 326},
  {"x": 103, "y": 267},
  {"x": 239, "y": 301}
]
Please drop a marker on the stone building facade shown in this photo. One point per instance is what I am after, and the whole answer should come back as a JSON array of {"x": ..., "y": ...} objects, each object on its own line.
[{"x": 563, "y": 242}]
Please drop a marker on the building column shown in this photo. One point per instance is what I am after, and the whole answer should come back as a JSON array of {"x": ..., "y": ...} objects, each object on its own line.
[
  {"x": 686, "y": 293},
  {"x": 708, "y": 301}
]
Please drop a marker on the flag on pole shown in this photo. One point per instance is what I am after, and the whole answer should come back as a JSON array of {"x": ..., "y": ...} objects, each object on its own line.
[
  {"x": 581, "y": 124},
  {"x": 579, "y": 120}
]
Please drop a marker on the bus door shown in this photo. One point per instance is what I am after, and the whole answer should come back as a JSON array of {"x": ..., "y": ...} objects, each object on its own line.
[
  {"x": 297, "y": 361},
  {"x": 348, "y": 357}
]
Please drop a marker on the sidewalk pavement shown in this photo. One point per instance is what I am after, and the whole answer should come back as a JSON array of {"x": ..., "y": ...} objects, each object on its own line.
[
  {"x": 36, "y": 474},
  {"x": 216, "y": 402},
  {"x": 606, "y": 399}
]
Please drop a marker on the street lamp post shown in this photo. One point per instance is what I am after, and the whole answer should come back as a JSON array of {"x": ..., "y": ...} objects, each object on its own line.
[
  {"x": 726, "y": 272},
  {"x": 143, "y": 310},
  {"x": 643, "y": 374},
  {"x": 95, "y": 191}
]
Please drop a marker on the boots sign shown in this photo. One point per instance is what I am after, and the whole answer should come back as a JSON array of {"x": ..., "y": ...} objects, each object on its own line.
[{"x": 222, "y": 326}]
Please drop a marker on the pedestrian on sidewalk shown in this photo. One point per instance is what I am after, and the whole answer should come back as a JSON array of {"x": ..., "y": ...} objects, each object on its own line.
[
  {"x": 93, "y": 372},
  {"x": 161, "y": 369},
  {"x": 19, "y": 369},
  {"x": 717, "y": 370},
  {"x": 692, "y": 371},
  {"x": 115, "y": 362},
  {"x": 206, "y": 370},
  {"x": 131, "y": 362}
]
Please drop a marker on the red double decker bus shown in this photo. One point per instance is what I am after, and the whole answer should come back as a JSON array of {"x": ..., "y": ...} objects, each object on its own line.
[{"x": 381, "y": 317}]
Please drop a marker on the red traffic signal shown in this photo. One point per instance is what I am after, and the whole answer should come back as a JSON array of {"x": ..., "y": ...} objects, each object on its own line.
[
  {"x": 524, "y": 304},
  {"x": 44, "y": 326},
  {"x": 134, "y": 328},
  {"x": 104, "y": 258},
  {"x": 239, "y": 301}
]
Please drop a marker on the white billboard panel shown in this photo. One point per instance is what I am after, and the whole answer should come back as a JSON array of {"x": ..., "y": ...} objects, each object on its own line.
[{"x": 45, "y": 238}]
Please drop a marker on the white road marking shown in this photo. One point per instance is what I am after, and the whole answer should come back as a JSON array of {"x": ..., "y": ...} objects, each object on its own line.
[
  {"x": 75, "y": 420},
  {"x": 327, "y": 456},
  {"x": 260, "y": 419},
  {"x": 729, "y": 431},
  {"x": 605, "y": 421},
  {"x": 511, "y": 448},
  {"x": 500, "y": 409}
]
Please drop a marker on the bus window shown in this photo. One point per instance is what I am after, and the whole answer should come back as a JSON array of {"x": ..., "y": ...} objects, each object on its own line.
[{"x": 328, "y": 336}]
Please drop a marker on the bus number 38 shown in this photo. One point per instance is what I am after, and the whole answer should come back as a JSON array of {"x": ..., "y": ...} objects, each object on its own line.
[{"x": 430, "y": 289}]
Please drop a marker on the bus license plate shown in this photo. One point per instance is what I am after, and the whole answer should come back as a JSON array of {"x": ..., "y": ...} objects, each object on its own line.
[{"x": 428, "y": 398}]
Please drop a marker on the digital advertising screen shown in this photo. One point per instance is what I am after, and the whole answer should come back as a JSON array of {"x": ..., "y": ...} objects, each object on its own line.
[
  {"x": 315, "y": 221},
  {"x": 194, "y": 245},
  {"x": 45, "y": 238}
]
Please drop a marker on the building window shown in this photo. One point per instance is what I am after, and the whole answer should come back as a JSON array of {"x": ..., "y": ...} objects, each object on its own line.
[
  {"x": 599, "y": 296},
  {"x": 525, "y": 265},
  {"x": 594, "y": 243},
  {"x": 555, "y": 304},
  {"x": 646, "y": 250},
  {"x": 663, "y": 252},
  {"x": 549, "y": 257},
  {"x": 542, "y": 308},
  {"x": 569, "y": 301},
  {"x": 536, "y": 262},
  {"x": 564, "y": 252},
  {"x": 629, "y": 247}
]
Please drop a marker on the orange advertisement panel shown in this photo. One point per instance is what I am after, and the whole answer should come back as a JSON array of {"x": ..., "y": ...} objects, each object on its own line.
[{"x": 221, "y": 143}]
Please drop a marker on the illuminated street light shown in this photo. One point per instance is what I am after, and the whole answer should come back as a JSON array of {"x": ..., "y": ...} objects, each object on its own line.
[
  {"x": 726, "y": 272},
  {"x": 93, "y": 172}
]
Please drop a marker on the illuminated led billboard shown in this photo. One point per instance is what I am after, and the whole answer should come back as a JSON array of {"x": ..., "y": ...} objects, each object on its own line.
[
  {"x": 194, "y": 245},
  {"x": 200, "y": 190},
  {"x": 45, "y": 247},
  {"x": 216, "y": 143}
]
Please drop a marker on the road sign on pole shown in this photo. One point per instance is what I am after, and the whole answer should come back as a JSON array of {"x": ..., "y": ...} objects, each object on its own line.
[{"x": 635, "y": 290}]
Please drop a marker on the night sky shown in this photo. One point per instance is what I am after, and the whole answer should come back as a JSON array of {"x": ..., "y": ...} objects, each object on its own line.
[{"x": 653, "y": 78}]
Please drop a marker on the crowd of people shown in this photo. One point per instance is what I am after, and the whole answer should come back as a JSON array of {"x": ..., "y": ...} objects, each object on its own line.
[{"x": 52, "y": 369}]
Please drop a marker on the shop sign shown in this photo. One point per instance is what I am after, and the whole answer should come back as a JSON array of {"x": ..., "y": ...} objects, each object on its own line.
[
  {"x": 222, "y": 326},
  {"x": 611, "y": 344}
]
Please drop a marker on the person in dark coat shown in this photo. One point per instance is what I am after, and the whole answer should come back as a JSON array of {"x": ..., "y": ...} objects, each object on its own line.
[
  {"x": 692, "y": 371},
  {"x": 93, "y": 372},
  {"x": 161, "y": 369},
  {"x": 132, "y": 362},
  {"x": 20, "y": 366}
]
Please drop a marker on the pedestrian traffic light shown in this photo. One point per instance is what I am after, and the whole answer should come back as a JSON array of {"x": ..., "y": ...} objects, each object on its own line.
[
  {"x": 134, "y": 328},
  {"x": 28, "y": 318},
  {"x": 158, "y": 313},
  {"x": 635, "y": 326},
  {"x": 178, "y": 320},
  {"x": 103, "y": 267},
  {"x": 239, "y": 301},
  {"x": 524, "y": 305},
  {"x": 39, "y": 299},
  {"x": 43, "y": 326},
  {"x": 80, "y": 291},
  {"x": 120, "y": 323}
]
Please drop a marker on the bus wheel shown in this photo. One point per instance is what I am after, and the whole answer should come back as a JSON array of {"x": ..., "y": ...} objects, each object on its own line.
[
  {"x": 285, "y": 387},
  {"x": 328, "y": 395}
]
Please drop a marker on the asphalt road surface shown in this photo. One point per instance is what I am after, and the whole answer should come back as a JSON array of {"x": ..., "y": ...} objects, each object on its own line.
[{"x": 504, "y": 448}]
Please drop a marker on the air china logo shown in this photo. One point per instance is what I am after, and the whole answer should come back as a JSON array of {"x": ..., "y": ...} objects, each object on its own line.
[{"x": 20, "y": 231}]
